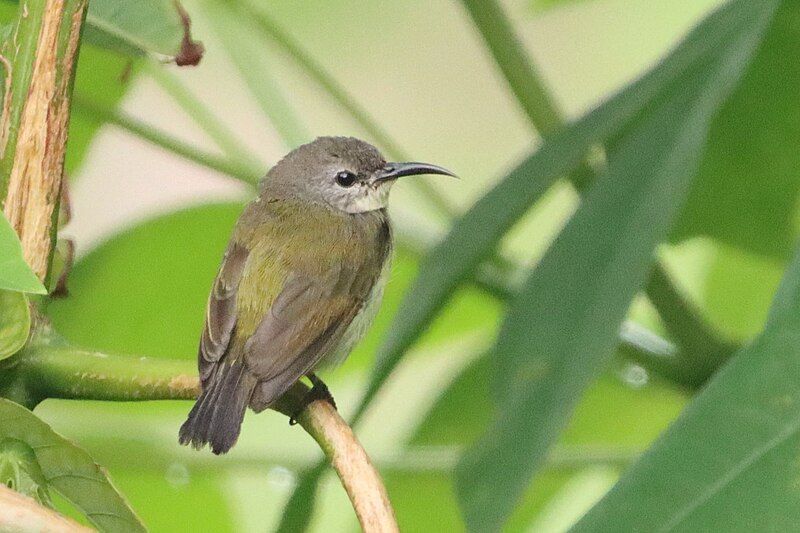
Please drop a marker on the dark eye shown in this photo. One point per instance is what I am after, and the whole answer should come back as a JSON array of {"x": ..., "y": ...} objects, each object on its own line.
[{"x": 345, "y": 178}]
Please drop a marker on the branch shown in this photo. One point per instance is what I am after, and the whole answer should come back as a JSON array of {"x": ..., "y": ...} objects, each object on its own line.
[
  {"x": 359, "y": 477},
  {"x": 21, "y": 513},
  {"x": 47, "y": 371}
]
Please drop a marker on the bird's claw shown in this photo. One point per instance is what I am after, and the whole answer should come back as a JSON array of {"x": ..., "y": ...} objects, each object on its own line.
[{"x": 319, "y": 391}]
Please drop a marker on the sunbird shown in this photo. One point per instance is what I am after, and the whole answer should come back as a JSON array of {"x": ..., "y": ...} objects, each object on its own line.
[{"x": 300, "y": 282}]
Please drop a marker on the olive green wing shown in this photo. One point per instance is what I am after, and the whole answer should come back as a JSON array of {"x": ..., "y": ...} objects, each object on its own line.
[
  {"x": 221, "y": 310},
  {"x": 305, "y": 323}
]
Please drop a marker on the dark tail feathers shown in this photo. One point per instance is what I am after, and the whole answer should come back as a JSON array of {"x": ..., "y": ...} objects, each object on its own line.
[{"x": 216, "y": 417}]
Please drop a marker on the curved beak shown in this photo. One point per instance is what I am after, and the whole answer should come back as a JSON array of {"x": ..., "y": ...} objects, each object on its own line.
[{"x": 397, "y": 170}]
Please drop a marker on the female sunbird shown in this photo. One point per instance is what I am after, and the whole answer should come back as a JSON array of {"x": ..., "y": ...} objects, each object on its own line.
[{"x": 300, "y": 282}]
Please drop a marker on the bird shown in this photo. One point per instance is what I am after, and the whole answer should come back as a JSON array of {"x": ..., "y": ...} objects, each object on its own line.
[{"x": 300, "y": 282}]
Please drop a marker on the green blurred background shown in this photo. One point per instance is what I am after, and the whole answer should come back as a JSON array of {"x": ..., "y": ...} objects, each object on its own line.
[{"x": 151, "y": 228}]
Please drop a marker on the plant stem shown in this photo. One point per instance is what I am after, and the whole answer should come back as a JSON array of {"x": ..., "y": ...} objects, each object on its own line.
[
  {"x": 68, "y": 373},
  {"x": 235, "y": 169},
  {"x": 341, "y": 96},
  {"x": 236, "y": 33},
  {"x": 60, "y": 371},
  {"x": 224, "y": 138},
  {"x": 521, "y": 74},
  {"x": 34, "y": 130},
  {"x": 682, "y": 321}
]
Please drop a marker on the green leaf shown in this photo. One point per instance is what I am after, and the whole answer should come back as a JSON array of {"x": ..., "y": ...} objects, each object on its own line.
[
  {"x": 562, "y": 327},
  {"x": 135, "y": 28},
  {"x": 15, "y": 274},
  {"x": 67, "y": 469},
  {"x": 15, "y": 322},
  {"x": 538, "y": 6},
  {"x": 747, "y": 193},
  {"x": 152, "y": 278},
  {"x": 20, "y": 471},
  {"x": 473, "y": 238},
  {"x": 130, "y": 28},
  {"x": 736, "y": 443}
]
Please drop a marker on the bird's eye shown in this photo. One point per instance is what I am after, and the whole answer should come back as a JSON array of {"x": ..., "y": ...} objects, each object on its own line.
[{"x": 345, "y": 178}]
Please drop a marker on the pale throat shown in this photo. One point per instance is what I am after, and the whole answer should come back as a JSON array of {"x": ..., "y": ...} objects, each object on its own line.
[{"x": 366, "y": 198}]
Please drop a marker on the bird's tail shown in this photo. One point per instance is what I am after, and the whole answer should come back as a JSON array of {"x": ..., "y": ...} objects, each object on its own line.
[{"x": 216, "y": 417}]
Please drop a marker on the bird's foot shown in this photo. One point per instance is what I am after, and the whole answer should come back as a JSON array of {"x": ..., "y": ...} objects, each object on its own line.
[{"x": 319, "y": 391}]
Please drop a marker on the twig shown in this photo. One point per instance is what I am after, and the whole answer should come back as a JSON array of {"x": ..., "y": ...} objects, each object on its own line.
[
  {"x": 46, "y": 371},
  {"x": 21, "y": 513},
  {"x": 359, "y": 477}
]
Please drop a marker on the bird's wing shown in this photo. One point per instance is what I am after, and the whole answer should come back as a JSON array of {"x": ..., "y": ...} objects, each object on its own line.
[
  {"x": 305, "y": 323},
  {"x": 221, "y": 310}
]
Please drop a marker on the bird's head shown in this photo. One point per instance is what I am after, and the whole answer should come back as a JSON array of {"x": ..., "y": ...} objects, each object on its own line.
[{"x": 342, "y": 172}]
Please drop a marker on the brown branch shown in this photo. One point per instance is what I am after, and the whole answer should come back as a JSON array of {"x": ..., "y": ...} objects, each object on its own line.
[
  {"x": 21, "y": 513},
  {"x": 60, "y": 371},
  {"x": 360, "y": 479}
]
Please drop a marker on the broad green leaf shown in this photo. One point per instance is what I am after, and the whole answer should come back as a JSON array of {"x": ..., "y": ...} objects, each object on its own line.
[
  {"x": 730, "y": 461},
  {"x": 15, "y": 274},
  {"x": 15, "y": 322},
  {"x": 563, "y": 325},
  {"x": 747, "y": 191},
  {"x": 68, "y": 470},
  {"x": 152, "y": 278},
  {"x": 476, "y": 235}
]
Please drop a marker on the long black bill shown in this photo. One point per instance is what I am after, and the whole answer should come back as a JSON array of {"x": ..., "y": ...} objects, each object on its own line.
[{"x": 397, "y": 170}]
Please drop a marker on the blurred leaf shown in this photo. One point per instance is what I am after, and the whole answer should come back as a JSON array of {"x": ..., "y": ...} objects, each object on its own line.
[
  {"x": 68, "y": 470},
  {"x": 539, "y": 6},
  {"x": 152, "y": 278},
  {"x": 563, "y": 325},
  {"x": 15, "y": 322},
  {"x": 296, "y": 515},
  {"x": 131, "y": 28},
  {"x": 737, "y": 443},
  {"x": 100, "y": 78},
  {"x": 747, "y": 191},
  {"x": 243, "y": 43},
  {"x": 135, "y": 28},
  {"x": 611, "y": 416},
  {"x": 180, "y": 499},
  {"x": 474, "y": 237},
  {"x": 15, "y": 274}
]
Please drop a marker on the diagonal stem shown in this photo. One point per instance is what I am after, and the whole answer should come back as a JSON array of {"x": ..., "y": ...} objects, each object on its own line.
[
  {"x": 341, "y": 96},
  {"x": 224, "y": 138},
  {"x": 240, "y": 170}
]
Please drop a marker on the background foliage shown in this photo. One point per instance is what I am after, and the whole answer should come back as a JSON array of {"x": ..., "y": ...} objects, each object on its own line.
[{"x": 498, "y": 387}]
